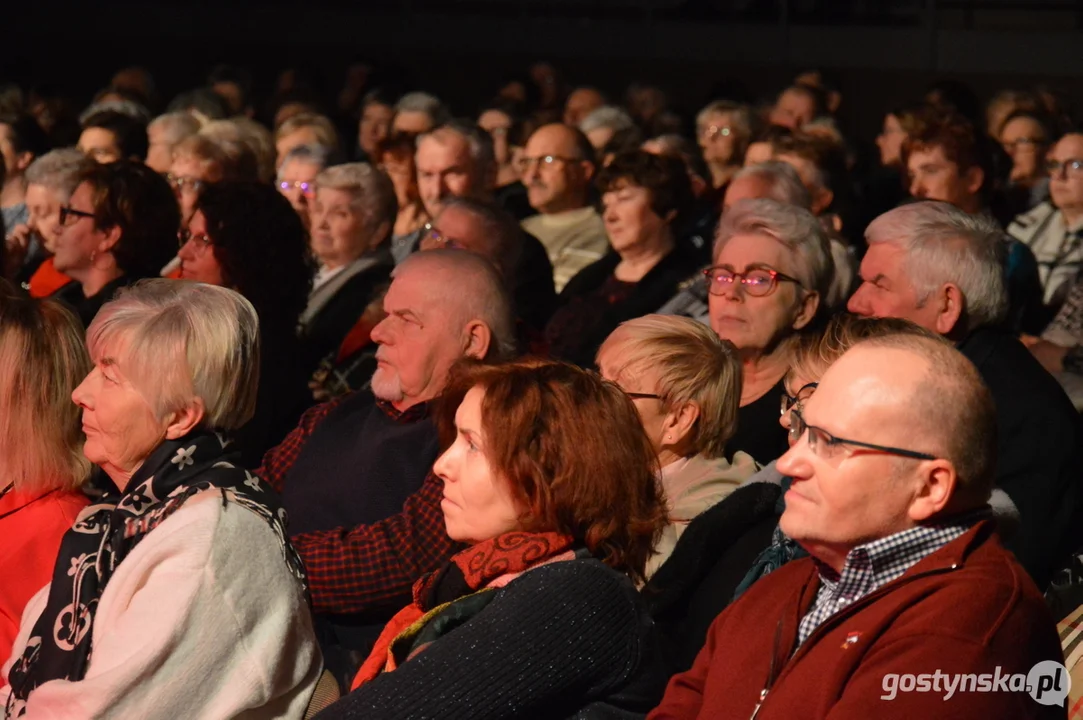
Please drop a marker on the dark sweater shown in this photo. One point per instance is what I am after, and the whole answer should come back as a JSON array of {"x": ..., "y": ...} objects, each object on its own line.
[
  {"x": 758, "y": 431},
  {"x": 570, "y": 639},
  {"x": 1039, "y": 451},
  {"x": 87, "y": 307}
]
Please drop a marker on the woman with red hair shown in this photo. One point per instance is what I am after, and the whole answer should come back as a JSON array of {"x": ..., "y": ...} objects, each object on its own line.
[{"x": 551, "y": 483}]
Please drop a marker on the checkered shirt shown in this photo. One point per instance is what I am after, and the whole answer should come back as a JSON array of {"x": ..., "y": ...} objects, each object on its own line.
[{"x": 870, "y": 566}]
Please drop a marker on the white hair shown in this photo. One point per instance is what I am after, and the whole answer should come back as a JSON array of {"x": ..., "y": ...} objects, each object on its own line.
[
  {"x": 176, "y": 126},
  {"x": 943, "y": 244},
  {"x": 313, "y": 154},
  {"x": 475, "y": 291},
  {"x": 794, "y": 227},
  {"x": 609, "y": 116},
  {"x": 783, "y": 183},
  {"x": 59, "y": 171},
  {"x": 183, "y": 341},
  {"x": 373, "y": 193}
]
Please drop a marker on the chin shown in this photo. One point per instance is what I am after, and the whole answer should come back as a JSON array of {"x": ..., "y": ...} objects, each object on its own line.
[{"x": 386, "y": 385}]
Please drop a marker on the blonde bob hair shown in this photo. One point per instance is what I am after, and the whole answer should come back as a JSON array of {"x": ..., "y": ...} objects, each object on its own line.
[
  {"x": 42, "y": 360},
  {"x": 694, "y": 366},
  {"x": 182, "y": 342}
]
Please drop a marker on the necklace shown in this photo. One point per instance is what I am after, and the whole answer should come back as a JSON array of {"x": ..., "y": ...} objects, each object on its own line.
[{"x": 21, "y": 507}]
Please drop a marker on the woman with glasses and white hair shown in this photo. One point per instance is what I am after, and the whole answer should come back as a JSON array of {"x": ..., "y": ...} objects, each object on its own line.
[
  {"x": 352, "y": 219},
  {"x": 178, "y": 593},
  {"x": 772, "y": 269},
  {"x": 297, "y": 174}
]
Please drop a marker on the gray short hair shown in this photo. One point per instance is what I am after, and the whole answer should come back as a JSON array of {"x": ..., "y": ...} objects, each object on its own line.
[
  {"x": 423, "y": 103},
  {"x": 59, "y": 170},
  {"x": 186, "y": 341},
  {"x": 502, "y": 231},
  {"x": 312, "y": 154},
  {"x": 125, "y": 107},
  {"x": 486, "y": 299},
  {"x": 176, "y": 126},
  {"x": 794, "y": 227},
  {"x": 783, "y": 183},
  {"x": 479, "y": 142},
  {"x": 609, "y": 116},
  {"x": 943, "y": 244},
  {"x": 373, "y": 192}
]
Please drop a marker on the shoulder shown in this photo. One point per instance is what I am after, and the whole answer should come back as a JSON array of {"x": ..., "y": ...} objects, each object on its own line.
[
  {"x": 1027, "y": 222},
  {"x": 578, "y": 583}
]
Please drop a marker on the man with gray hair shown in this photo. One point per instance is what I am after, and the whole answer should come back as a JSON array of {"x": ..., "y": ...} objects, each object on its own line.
[
  {"x": 354, "y": 461},
  {"x": 605, "y": 122},
  {"x": 938, "y": 266}
]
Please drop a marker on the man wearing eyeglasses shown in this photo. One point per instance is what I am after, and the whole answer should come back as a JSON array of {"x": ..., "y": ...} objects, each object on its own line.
[
  {"x": 937, "y": 266},
  {"x": 557, "y": 167},
  {"x": 1054, "y": 229},
  {"x": 892, "y": 466}
]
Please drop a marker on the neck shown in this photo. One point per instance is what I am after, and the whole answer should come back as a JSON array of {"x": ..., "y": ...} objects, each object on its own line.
[
  {"x": 637, "y": 261},
  {"x": 761, "y": 371},
  {"x": 13, "y": 192},
  {"x": 506, "y": 175},
  {"x": 669, "y": 455},
  {"x": 722, "y": 173},
  {"x": 1072, "y": 216},
  {"x": 562, "y": 205},
  {"x": 94, "y": 278}
]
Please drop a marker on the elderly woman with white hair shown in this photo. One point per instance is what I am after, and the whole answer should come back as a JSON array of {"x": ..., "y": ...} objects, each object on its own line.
[
  {"x": 352, "y": 217},
  {"x": 686, "y": 384},
  {"x": 772, "y": 270},
  {"x": 178, "y": 593}
]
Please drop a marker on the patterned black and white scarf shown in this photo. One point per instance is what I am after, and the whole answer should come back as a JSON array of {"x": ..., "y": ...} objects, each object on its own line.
[{"x": 59, "y": 645}]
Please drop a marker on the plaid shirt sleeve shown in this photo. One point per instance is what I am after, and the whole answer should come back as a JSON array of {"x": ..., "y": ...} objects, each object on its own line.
[
  {"x": 278, "y": 460},
  {"x": 352, "y": 570}
]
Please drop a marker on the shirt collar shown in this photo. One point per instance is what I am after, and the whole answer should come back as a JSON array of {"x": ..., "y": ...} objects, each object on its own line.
[
  {"x": 409, "y": 415},
  {"x": 876, "y": 563}
]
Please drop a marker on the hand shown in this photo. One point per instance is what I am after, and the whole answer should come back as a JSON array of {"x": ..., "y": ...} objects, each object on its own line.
[
  {"x": 1029, "y": 340},
  {"x": 16, "y": 244},
  {"x": 1049, "y": 355}
]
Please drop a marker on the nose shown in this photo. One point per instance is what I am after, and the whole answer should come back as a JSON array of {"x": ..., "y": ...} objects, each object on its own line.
[
  {"x": 917, "y": 188},
  {"x": 380, "y": 334},
  {"x": 857, "y": 303},
  {"x": 80, "y": 396},
  {"x": 185, "y": 252},
  {"x": 794, "y": 462},
  {"x": 441, "y": 467}
]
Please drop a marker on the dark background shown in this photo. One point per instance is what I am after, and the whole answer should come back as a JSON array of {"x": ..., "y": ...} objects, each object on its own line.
[{"x": 881, "y": 52}]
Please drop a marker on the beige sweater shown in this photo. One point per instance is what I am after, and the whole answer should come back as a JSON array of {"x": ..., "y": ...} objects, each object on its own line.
[
  {"x": 573, "y": 240},
  {"x": 693, "y": 485}
]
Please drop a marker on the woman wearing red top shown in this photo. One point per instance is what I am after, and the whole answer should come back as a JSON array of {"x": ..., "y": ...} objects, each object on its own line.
[{"x": 42, "y": 358}]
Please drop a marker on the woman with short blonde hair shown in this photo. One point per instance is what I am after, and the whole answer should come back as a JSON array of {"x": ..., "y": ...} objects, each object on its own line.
[
  {"x": 183, "y": 568},
  {"x": 686, "y": 385},
  {"x": 42, "y": 356}
]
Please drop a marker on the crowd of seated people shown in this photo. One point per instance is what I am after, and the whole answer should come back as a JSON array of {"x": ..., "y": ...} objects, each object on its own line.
[{"x": 555, "y": 408}]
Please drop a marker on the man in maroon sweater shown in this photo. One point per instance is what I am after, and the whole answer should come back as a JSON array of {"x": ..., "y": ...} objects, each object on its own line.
[{"x": 908, "y": 606}]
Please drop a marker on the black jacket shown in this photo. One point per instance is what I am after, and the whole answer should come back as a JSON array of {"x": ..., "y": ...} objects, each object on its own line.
[
  {"x": 1039, "y": 451},
  {"x": 710, "y": 560}
]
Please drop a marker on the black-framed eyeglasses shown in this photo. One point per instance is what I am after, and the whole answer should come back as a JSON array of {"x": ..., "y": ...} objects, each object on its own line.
[
  {"x": 526, "y": 163},
  {"x": 826, "y": 445},
  {"x": 202, "y": 241},
  {"x": 433, "y": 239},
  {"x": 1056, "y": 167},
  {"x": 67, "y": 212},
  {"x": 308, "y": 189},
  {"x": 803, "y": 394},
  {"x": 643, "y": 396},
  {"x": 757, "y": 282}
]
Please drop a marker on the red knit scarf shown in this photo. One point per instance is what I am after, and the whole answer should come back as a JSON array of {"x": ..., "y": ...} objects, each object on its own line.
[{"x": 488, "y": 565}]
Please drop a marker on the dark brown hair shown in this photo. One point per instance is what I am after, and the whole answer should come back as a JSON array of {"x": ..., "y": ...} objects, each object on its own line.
[
  {"x": 663, "y": 176},
  {"x": 573, "y": 451}
]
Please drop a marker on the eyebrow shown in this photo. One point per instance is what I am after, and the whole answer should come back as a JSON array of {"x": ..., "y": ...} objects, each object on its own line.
[
  {"x": 752, "y": 266},
  {"x": 408, "y": 315}
]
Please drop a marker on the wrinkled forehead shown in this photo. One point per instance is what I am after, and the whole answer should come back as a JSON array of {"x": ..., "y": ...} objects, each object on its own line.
[
  {"x": 871, "y": 392},
  {"x": 296, "y": 170},
  {"x": 441, "y": 151},
  {"x": 551, "y": 141}
]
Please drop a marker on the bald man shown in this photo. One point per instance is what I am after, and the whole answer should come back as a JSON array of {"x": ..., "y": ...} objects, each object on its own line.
[
  {"x": 557, "y": 169},
  {"x": 907, "y": 587}
]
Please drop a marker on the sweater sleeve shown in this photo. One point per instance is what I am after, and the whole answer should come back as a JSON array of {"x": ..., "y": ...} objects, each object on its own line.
[
  {"x": 201, "y": 620},
  {"x": 356, "y": 569},
  {"x": 557, "y": 638}
]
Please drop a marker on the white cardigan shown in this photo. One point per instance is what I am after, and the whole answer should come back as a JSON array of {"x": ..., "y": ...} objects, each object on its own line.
[{"x": 202, "y": 620}]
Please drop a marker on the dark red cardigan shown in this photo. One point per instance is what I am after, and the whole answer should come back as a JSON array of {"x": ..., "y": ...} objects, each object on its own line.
[{"x": 967, "y": 608}]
